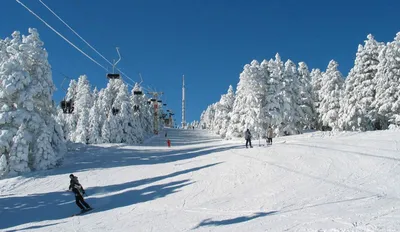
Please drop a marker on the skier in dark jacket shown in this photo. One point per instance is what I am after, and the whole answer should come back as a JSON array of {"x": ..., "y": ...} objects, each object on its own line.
[
  {"x": 247, "y": 136},
  {"x": 77, "y": 188}
]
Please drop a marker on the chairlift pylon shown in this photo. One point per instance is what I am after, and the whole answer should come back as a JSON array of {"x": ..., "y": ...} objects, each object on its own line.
[{"x": 115, "y": 75}]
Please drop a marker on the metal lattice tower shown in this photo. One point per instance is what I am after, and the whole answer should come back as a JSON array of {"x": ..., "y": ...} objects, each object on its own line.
[{"x": 183, "y": 103}]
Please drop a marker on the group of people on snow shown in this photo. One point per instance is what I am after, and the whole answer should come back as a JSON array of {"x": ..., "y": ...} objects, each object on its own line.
[{"x": 247, "y": 137}]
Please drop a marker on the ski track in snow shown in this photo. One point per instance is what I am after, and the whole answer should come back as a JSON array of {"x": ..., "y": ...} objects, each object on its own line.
[{"x": 309, "y": 182}]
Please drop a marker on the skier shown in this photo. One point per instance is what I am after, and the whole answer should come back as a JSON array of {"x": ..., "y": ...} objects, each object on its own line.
[
  {"x": 77, "y": 188},
  {"x": 247, "y": 136},
  {"x": 270, "y": 134}
]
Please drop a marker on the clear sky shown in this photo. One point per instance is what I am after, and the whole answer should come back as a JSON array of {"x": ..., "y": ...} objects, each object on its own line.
[{"x": 208, "y": 41}]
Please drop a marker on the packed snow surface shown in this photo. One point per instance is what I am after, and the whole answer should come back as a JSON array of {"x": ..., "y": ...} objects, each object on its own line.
[{"x": 311, "y": 182}]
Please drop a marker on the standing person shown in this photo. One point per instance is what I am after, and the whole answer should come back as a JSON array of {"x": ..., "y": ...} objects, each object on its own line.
[
  {"x": 77, "y": 188},
  {"x": 270, "y": 134},
  {"x": 247, "y": 136}
]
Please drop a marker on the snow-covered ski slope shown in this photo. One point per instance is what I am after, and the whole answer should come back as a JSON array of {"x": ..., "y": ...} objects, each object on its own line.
[{"x": 312, "y": 182}]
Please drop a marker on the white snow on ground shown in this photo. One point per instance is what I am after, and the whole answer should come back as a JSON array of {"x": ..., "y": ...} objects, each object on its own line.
[{"x": 309, "y": 182}]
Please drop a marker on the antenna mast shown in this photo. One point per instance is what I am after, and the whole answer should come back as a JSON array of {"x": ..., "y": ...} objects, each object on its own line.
[{"x": 183, "y": 103}]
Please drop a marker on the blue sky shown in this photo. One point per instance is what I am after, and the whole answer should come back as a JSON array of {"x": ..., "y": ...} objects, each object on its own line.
[{"x": 208, "y": 41}]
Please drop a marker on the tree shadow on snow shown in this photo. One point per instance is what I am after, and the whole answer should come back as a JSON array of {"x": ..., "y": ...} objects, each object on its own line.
[
  {"x": 93, "y": 157},
  {"x": 19, "y": 210},
  {"x": 34, "y": 227},
  {"x": 136, "y": 183},
  {"x": 134, "y": 196},
  {"x": 210, "y": 222}
]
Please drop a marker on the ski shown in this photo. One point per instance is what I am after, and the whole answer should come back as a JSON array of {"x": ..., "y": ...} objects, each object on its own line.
[{"x": 82, "y": 212}]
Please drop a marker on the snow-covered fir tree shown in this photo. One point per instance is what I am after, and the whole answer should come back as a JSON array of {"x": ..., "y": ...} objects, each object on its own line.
[
  {"x": 30, "y": 137},
  {"x": 82, "y": 104},
  {"x": 94, "y": 131},
  {"x": 68, "y": 119},
  {"x": 207, "y": 117},
  {"x": 332, "y": 87},
  {"x": 316, "y": 82},
  {"x": 357, "y": 112},
  {"x": 306, "y": 98},
  {"x": 126, "y": 130},
  {"x": 223, "y": 112},
  {"x": 387, "y": 99},
  {"x": 297, "y": 99},
  {"x": 248, "y": 102},
  {"x": 273, "y": 102},
  {"x": 291, "y": 111},
  {"x": 142, "y": 118}
]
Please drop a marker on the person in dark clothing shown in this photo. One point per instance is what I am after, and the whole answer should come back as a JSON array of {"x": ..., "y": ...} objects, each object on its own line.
[
  {"x": 77, "y": 188},
  {"x": 247, "y": 136},
  {"x": 270, "y": 134}
]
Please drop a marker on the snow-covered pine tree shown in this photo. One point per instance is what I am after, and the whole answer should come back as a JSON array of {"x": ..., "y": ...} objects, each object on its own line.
[
  {"x": 223, "y": 111},
  {"x": 273, "y": 105},
  {"x": 68, "y": 121},
  {"x": 306, "y": 98},
  {"x": 141, "y": 120},
  {"x": 387, "y": 99},
  {"x": 292, "y": 113},
  {"x": 94, "y": 132},
  {"x": 82, "y": 106},
  {"x": 207, "y": 117},
  {"x": 317, "y": 82},
  {"x": 357, "y": 112},
  {"x": 124, "y": 117},
  {"x": 106, "y": 131},
  {"x": 331, "y": 92},
  {"x": 248, "y": 102},
  {"x": 109, "y": 127},
  {"x": 30, "y": 137}
]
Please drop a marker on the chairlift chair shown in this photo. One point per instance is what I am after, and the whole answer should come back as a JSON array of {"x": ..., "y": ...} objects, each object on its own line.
[
  {"x": 115, "y": 111},
  {"x": 113, "y": 76},
  {"x": 137, "y": 92},
  {"x": 67, "y": 106}
]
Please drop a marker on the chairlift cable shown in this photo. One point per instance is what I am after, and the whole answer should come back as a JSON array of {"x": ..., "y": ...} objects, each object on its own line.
[
  {"x": 87, "y": 43},
  {"x": 59, "y": 34}
]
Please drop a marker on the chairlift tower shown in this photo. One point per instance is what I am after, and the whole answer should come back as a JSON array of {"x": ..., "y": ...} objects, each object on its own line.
[
  {"x": 183, "y": 103},
  {"x": 154, "y": 100}
]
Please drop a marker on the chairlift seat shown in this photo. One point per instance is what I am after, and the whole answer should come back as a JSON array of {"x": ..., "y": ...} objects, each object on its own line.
[
  {"x": 137, "y": 92},
  {"x": 113, "y": 75}
]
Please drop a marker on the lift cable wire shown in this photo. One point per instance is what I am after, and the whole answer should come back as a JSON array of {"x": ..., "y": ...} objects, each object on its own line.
[
  {"x": 87, "y": 43},
  {"x": 59, "y": 34}
]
